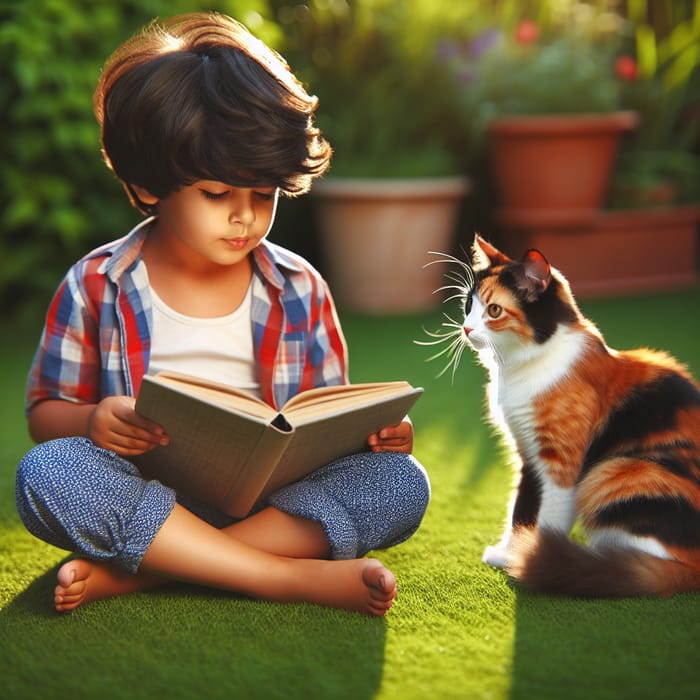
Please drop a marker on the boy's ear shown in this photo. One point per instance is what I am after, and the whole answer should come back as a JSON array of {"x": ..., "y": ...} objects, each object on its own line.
[
  {"x": 143, "y": 195},
  {"x": 142, "y": 199}
]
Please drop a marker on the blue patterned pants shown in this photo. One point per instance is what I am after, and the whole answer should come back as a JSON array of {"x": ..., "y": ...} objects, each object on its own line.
[{"x": 90, "y": 501}]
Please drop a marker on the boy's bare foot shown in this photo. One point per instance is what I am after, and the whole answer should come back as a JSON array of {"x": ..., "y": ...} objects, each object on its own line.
[
  {"x": 360, "y": 585},
  {"x": 381, "y": 585},
  {"x": 81, "y": 581}
]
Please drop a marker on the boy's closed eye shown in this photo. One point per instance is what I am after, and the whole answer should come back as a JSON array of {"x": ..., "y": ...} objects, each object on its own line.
[
  {"x": 262, "y": 195},
  {"x": 214, "y": 195}
]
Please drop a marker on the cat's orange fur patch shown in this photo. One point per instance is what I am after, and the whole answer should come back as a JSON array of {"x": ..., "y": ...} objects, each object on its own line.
[{"x": 625, "y": 478}]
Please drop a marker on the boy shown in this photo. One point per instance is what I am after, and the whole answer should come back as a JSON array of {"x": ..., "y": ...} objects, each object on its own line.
[{"x": 204, "y": 125}]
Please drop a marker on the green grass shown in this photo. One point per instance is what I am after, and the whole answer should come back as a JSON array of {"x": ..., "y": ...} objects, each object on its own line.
[{"x": 458, "y": 630}]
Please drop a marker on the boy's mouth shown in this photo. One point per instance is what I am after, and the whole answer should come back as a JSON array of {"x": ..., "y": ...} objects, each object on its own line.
[{"x": 238, "y": 243}]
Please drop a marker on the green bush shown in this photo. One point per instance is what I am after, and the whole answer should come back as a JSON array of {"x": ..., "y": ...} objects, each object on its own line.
[
  {"x": 57, "y": 198},
  {"x": 387, "y": 105}
]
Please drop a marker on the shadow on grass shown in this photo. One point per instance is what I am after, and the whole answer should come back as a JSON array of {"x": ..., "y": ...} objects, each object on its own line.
[
  {"x": 185, "y": 642},
  {"x": 606, "y": 650}
]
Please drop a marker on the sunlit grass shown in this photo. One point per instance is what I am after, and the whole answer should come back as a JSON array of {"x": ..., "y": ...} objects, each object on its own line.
[{"x": 458, "y": 629}]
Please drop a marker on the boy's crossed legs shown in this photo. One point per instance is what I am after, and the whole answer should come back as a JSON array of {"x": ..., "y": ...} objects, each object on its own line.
[
  {"x": 271, "y": 556},
  {"x": 133, "y": 535}
]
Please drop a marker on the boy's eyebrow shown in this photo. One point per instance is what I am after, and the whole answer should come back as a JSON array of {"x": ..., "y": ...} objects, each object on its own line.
[
  {"x": 227, "y": 185},
  {"x": 211, "y": 183}
]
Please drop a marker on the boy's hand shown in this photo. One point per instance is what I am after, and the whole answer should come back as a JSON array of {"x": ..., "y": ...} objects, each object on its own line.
[
  {"x": 397, "y": 438},
  {"x": 115, "y": 425}
]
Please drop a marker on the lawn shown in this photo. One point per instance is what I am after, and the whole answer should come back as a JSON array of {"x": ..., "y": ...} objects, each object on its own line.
[{"x": 459, "y": 629}]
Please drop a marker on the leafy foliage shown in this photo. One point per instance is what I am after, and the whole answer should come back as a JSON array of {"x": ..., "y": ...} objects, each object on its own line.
[{"x": 660, "y": 163}]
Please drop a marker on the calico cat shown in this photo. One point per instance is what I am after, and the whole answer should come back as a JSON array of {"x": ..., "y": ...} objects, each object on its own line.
[{"x": 608, "y": 437}]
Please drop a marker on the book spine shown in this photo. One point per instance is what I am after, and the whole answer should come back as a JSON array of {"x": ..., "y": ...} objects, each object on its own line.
[{"x": 260, "y": 466}]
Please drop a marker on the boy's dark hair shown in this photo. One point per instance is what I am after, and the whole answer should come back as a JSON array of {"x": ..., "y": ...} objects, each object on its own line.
[{"x": 198, "y": 97}]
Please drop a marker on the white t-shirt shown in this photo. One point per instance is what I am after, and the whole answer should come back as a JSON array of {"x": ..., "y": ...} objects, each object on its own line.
[{"x": 220, "y": 349}]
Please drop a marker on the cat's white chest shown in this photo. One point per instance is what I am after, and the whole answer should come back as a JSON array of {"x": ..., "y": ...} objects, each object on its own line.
[{"x": 516, "y": 384}]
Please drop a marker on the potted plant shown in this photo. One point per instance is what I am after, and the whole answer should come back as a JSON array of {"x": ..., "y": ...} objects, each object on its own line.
[
  {"x": 653, "y": 210},
  {"x": 640, "y": 231},
  {"x": 395, "y": 186},
  {"x": 547, "y": 101}
]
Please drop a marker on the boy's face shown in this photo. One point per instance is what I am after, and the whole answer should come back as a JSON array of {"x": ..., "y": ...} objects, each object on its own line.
[{"x": 216, "y": 221}]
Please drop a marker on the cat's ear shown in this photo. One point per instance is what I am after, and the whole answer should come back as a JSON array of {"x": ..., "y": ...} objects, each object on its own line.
[
  {"x": 536, "y": 275},
  {"x": 484, "y": 255}
]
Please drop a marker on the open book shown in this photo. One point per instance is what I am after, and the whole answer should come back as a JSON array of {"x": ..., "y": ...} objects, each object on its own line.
[{"x": 230, "y": 449}]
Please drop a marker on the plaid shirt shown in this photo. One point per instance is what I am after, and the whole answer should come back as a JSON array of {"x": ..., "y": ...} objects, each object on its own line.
[{"x": 97, "y": 337}]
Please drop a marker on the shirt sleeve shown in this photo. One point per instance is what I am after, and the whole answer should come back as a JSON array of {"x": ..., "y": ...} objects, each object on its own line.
[
  {"x": 66, "y": 362},
  {"x": 328, "y": 355}
]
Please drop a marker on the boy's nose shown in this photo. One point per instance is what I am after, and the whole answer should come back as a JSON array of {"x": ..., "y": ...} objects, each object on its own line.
[{"x": 242, "y": 211}]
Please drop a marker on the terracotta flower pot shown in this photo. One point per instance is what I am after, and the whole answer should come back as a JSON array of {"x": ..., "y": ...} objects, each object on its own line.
[
  {"x": 375, "y": 238},
  {"x": 554, "y": 167}
]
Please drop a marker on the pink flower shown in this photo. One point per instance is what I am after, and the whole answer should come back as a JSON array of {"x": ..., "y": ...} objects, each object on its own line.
[
  {"x": 626, "y": 68},
  {"x": 527, "y": 32}
]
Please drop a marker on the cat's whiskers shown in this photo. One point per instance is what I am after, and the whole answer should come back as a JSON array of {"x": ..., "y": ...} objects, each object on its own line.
[
  {"x": 451, "y": 333},
  {"x": 465, "y": 280},
  {"x": 462, "y": 289}
]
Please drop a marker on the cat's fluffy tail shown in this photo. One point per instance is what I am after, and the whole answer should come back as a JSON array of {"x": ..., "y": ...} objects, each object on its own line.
[{"x": 549, "y": 562}]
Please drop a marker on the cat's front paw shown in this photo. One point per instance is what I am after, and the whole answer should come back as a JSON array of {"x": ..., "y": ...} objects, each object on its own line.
[{"x": 496, "y": 555}]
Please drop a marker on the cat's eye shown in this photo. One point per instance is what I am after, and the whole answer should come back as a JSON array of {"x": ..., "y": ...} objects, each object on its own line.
[{"x": 494, "y": 310}]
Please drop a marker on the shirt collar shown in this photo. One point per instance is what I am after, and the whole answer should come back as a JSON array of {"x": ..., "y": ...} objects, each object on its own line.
[
  {"x": 122, "y": 253},
  {"x": 270, "y": 258}
]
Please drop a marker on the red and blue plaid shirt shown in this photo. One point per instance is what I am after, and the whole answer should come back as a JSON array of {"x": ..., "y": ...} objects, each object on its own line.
[{"x": 97, "y": 337}]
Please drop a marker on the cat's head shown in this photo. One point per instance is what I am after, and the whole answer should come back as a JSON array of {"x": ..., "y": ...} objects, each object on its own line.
[
  {"x": 509, "y": 308},
  {"x": 514, "y": 304}
]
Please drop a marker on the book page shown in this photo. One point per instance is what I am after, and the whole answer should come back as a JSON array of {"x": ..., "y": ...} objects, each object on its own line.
[
  {"x": 219, "y": 394},
  {"x": 335, "y": 399}
]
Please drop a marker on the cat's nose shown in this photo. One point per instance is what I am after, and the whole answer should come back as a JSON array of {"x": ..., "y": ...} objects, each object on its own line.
[{"x": 467, "y": 330}]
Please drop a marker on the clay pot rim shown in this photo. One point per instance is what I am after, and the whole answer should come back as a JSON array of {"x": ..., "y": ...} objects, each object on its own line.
[
  {"x": 380, "y": 188},
  {"x": 563, "y": 123}
]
